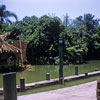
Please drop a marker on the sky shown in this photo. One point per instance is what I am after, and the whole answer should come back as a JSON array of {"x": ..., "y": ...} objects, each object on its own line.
[{"x": 73, "y": 8}]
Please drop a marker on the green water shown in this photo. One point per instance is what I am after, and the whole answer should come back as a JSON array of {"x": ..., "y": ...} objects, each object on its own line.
[{"x": 39, "y": 71}]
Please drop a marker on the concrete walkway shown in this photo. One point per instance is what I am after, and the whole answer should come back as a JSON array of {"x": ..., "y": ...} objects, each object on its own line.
[{"x": 85, "y": 91}]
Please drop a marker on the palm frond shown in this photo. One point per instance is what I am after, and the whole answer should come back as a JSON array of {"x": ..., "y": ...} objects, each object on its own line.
[
  {"x": 9, "y": 21},
  {"x": 5, "y": 14},
  {"x": 10, "y": 14}
]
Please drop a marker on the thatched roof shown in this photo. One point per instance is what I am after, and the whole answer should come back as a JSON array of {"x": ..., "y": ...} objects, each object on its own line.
[
  {"x": 4, "y": 36},
  {"x": 6, "y": 47}
]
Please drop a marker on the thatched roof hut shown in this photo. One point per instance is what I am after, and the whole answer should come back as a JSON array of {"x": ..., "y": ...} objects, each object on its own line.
[
  {"x": 8, "y": 51},
  {"x": 4, "y": 36},
  {"x": 6, "y": 47}
]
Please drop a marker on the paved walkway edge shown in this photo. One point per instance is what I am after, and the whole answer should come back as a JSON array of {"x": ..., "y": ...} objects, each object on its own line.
[{"x": 85, "y": 91}]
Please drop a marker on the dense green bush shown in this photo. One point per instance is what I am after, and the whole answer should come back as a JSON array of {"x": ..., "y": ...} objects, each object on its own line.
[
  {"x": 44, "y": 46},
  {"x": 81, "y": 38}
]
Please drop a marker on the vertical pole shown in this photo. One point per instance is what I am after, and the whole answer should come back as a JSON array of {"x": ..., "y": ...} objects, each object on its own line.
[
  {"x": 61, "y": 79},
  {"x": 47, "y": 76},
  {"x": 22, "y": 84},
  {"x": 86, "y": 74},
  {"x": 98, "y": 89},
  {"x": 9, "y": 85},
  {"x": 21, "y": 53},
  {"x": 76, "y": 70}
]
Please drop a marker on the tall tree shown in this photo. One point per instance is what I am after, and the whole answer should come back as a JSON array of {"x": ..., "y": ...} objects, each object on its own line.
[{"x": 5, "y": 14}]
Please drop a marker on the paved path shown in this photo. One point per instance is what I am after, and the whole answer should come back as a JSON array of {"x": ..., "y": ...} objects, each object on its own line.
[{"x": 85, "y": 91}]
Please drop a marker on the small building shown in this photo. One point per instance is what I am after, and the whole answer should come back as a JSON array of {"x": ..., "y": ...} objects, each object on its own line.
[{"x": 9, "y": 54}]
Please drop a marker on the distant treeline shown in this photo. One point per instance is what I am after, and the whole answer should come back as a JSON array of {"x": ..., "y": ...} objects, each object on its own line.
[{"x": 81, "y": 37}]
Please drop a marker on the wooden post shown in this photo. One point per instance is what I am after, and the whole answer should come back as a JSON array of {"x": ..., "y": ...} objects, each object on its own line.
[
  {"x": 98, "y": 89},
  {"x": 76, "y": 70},
  {"x": 47, "y": 76},
  {"x": 9, "y": 85},
  {"x": 22, "y": 84},
  {"x": 86, "y": 74}
]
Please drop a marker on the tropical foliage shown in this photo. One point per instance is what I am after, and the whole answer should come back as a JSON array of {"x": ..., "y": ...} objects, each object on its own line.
[{"x": 81, "y": 38}]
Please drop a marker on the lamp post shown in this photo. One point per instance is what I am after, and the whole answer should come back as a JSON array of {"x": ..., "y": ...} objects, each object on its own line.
[{"x": 61, "y": 79}]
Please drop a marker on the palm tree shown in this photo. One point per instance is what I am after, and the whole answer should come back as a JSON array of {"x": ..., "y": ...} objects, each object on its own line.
[{"x": 5, "y": 14}]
